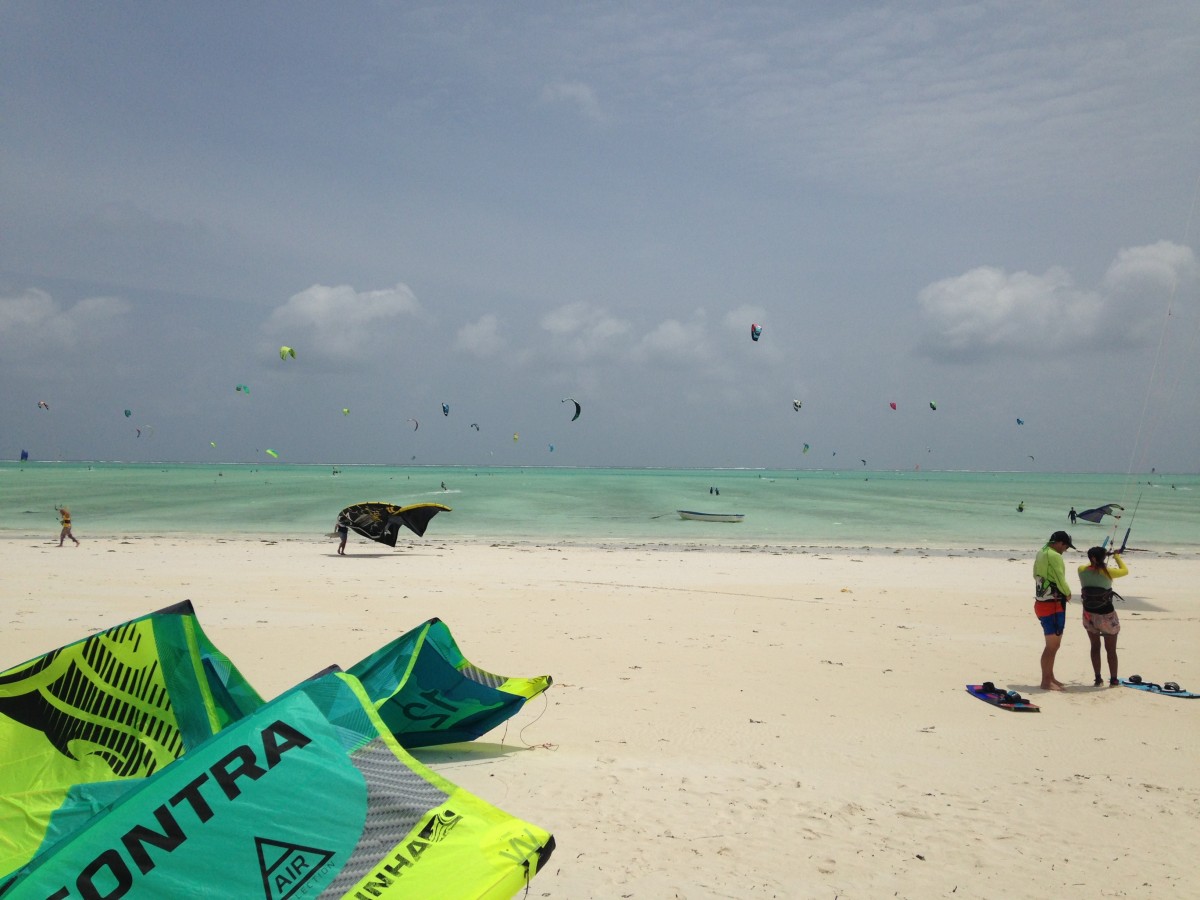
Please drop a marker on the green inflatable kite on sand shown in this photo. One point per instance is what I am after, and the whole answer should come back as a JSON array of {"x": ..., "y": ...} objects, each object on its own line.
[
  {"x": 140, "y": 763},
  {"x": 116, "y": 706}
]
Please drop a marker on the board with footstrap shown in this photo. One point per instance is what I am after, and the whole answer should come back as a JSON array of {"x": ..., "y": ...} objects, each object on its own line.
[
  {"x": 1009, "y": 700},
  {"x": 1167, "y": 688}
]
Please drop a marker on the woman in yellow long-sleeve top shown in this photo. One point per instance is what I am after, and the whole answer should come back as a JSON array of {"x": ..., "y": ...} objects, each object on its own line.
[{"x": 1099, "y": 616}]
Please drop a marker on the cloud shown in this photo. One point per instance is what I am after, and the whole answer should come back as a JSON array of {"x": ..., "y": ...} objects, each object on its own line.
[
  {"x": 741, "y": 317},
  {"x": 582, "y": 331},
  {"x": 481, "y": 337},
  {"x": 674, "y": 340},
  {"x": 987, "y": 312},
  {"x": 340, "y": 322},
  {"x": 1156, "y": 269},
  {"x": 33, "y": 322},
  {"x": 577, "y": 95}
]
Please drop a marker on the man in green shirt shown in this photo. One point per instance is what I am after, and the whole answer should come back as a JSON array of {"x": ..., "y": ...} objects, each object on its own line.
[{"x": 1051, "y": 593}]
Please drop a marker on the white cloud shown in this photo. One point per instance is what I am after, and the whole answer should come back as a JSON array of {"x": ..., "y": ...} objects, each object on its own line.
[
  {"x": 340, "y": 322},
  {"x": 577, "y": 95},
  {"x": 676, "y": 340},
  {"x": 740, "y": 318},
  {"x": 584, "y": 331},
  {"x": 1155, "y": 269},
  {"x": 32, "y": 321},
  {"x": 988, "y": 312},
  {"x": 481, "y": 337}
]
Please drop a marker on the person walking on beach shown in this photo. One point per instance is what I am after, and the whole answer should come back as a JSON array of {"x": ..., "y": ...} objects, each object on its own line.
[
  {"x": 342, "y": 529},
  {"x": 1051, "y": 593},
  {"x": 64, "y": 516},
  {"x": 1072, "y": 515},
  {"x": 1099, "y": 616}
]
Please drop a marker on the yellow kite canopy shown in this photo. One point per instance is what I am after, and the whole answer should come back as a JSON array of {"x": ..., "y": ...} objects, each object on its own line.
[
  {"x": 285, "y": 352},
  {"x": 139, "y": 763}
]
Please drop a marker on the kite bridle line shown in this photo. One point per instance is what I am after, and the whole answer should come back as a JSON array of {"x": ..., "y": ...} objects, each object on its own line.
[{"x": 1145, "y": 432}]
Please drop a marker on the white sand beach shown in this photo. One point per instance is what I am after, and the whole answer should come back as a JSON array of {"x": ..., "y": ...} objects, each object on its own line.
[{"x": 728, "y": 722}]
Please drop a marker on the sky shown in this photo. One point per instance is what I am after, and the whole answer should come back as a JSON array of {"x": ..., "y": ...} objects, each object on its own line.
[{"x": 990, "y": 207}]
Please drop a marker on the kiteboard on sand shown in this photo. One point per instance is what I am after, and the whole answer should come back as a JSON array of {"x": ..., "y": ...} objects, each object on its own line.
[
  {"x": 1010, "y": 700},
  {"x": 1169, "y": 689}
]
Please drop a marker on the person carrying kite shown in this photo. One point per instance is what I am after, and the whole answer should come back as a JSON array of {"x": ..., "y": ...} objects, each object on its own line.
[{"x": 342, "y": 529}]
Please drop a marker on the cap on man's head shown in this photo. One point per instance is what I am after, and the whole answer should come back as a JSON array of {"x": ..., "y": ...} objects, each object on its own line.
[{"x": 1061, "y": 537}]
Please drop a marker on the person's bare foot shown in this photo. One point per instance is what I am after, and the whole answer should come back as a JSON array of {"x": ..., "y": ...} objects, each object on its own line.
[{"x": 1052, "y": 686}]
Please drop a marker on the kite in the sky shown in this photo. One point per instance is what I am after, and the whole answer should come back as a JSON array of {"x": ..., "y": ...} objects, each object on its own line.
[
  {"x": 475, "y": 425},
  {"x": 1031, "y": 457},
  {"x": 345, "y": 410},
  {"x": 272, "y": 453},
  {"x": 755, "y": 331},
  {"x": 578, "y": 408},
  {"x": 516, "y": 437},
  {"x": 416, "y": 424},
  {"x": 24, "y": 455},
  {"x": 551, "y": 448},
  {"x": 1095, "y": 515},
  {"x": 445, "y": 409},
  {"x": 242, "y": 389},
  {"x": 128, "y": 413},
  {"x": 892, "y": 404},
  {"x": 863, "y": 461},
  {"x": 805, "y": 450},
  {"x": 285, "y": 352},
  {"x": 381, "y": 521},
  {"x": 932, "y": 405},
  {"x": 796, "y": 404},
  {"x": 42, "y": 404},
  {"x": 1020, "y": 421}
]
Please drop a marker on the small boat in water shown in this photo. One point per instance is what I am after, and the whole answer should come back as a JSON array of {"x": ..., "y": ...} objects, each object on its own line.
[{"x": 710, "y": 516}]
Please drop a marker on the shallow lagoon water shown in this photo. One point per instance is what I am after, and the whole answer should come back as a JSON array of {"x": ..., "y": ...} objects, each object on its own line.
[{"x": 967, "y": 510}]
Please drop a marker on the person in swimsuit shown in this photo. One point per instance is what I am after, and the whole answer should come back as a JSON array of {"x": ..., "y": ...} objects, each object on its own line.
[
  {"x": 64, "y": 516},
  {"x": 1099, "y": 617}
]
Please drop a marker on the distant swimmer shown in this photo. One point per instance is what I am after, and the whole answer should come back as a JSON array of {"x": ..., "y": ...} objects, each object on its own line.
[
  {"x": 444, "y": 486},
  {"x": 1021, "y": 506},
  {"x": 1072, "y": 515}
]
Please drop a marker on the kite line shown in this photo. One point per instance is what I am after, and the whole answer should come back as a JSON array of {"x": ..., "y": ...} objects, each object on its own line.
[{"x": 1148, "y": 424}]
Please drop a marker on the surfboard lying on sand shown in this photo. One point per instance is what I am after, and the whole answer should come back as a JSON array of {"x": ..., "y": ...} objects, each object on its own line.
[
  {"x": 1010, "y": 700},
  {"x": 1168, "y": 689}
]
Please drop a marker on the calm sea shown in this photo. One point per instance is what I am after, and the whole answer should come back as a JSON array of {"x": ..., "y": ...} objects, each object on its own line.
[{"x": 952, "y": 510}]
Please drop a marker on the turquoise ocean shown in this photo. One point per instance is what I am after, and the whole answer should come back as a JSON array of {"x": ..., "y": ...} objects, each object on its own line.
[{"x": 611, "y": 507}]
